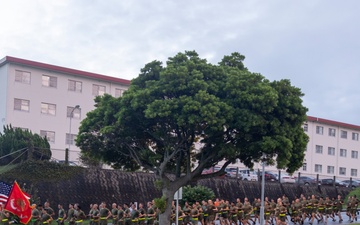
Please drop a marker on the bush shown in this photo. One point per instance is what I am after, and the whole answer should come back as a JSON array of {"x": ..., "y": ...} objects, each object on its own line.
[{"x": 196, "y": 193}]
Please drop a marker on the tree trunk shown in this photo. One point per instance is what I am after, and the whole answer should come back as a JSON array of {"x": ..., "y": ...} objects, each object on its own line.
[{"x": 164, "y": 218}]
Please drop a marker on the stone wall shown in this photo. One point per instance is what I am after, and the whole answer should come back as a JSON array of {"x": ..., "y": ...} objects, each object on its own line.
[{"x": 94, "y": 186}]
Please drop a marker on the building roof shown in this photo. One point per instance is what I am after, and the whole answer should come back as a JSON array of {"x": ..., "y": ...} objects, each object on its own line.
[
  {"x": 333, "y": 123},
  {"x": 9, "y": 59}
]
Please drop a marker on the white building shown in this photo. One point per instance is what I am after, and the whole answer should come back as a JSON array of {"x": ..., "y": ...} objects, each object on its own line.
[
  {"x": 44, "y": 98},
  {"x": 333, "y": 149}
]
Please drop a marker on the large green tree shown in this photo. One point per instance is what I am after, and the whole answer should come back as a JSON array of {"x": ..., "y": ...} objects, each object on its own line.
[
  {"x": 17, "y": 145},
  {"x": 178, "y": 119}
]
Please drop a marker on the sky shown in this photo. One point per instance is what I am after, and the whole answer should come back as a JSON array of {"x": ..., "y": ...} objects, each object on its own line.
[{"x": 315, "y": 43}]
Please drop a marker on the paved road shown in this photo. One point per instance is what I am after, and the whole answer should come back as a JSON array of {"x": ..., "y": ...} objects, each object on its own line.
[{"x": 330, "y": 222}]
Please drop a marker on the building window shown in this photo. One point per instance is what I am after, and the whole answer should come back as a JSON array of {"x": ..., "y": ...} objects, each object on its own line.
[
  {"x": 332, "y": 132},
  {"x": 319, "y": 129},
  {"x": 306, "y": 127},
  {"x": 318, "y": 168},
  {"x": 49, "y": 81},
  {"x": 75, "y": 86},
  {"x": 354, "y": 172},
  {"x": 119, "y": 92},
  {"x": 330, "y": 169},
  {"x": 50, "y": 135},
  {"x": 331, "y": 151},
  {"x": 342, "y": 171},
  {"x": 73, "y": 112},
  {"x": 304, "y": 167},
  {"x": 98, "y": 89},
  {"x": 21, "y": 128},
  {"x": 22, "y": 76},
  {"x": 22, "y": 105},
  {"x": 355, "y": 136},
  {"x": 343, "y": 134},
  {"x": 319, "y": 149},
  {"x": 49, "y": 109},
  {"x": 70, "y": 139},
  {"x": 342, "y": 152},
  {"x": 354, "y": 154}
]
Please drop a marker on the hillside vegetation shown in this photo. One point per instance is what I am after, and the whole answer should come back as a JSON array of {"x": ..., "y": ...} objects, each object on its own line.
[{"x": 37, "y": 171}]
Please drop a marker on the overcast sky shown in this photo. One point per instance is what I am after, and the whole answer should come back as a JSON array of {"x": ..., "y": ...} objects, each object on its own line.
[{"x": 315, "y": 44}]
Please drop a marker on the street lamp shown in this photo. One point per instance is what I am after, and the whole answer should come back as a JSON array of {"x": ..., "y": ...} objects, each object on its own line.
[
  {"x": 71, "y": 116},
  {"x": 262, "y": 190}
]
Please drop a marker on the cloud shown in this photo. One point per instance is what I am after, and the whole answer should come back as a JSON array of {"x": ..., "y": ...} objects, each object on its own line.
[{"x": 312, "y": 43}]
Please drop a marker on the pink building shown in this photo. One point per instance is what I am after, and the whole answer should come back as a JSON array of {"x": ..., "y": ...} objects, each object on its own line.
[
  {"x": 51, "y": 100},
  {"x": 333, "y": 149},
  {"x": 44, "y": 98}
]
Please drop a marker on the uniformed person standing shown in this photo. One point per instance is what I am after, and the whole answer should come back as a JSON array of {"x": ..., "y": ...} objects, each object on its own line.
[
  {"x": 281, "y": 212},
  {"x": 120, "y": 215},
  {"x": 104, "y": 214},
  {"x": 45, "y": 217},
  {"x": 35, "y": 215},
  {"x": 194, "y": 214},
  {"x": 142, "y": 214},
  {"x": 5, "y": 217},
  {"x": 48, "y": 209},
  {"x": 70, "y": 215},
  {"x": 248, "y": 209},
  {"x": 79, "y": 215},
  {"x": 212, "y": 209},
  {"x": 95, "y": 215},
  {"x": 150, "y": 214},
  {"x": 61, "y": 215},
  {"x": 240, "y": 209},
  {"x": 134, "y": 215},
  {"x": 233, "y": 213},
  {"x": 338, "y": 205},
  {"x": 114, "y": 213},
  {"x": 127, "y": 215}
]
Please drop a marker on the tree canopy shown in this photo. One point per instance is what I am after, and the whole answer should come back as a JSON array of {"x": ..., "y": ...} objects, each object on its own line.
[
  {"x": 190, "y": 115},
  {"x": 17, "y": 145}
]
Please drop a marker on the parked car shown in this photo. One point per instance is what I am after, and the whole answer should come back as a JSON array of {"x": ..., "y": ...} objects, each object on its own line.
[
  {"x": 304, "y": 180},
  {"x": 269, "y": 176},
  {"x": 329, "y": 181},
  {"x": 248, "y": 174},
  {"x": 232, "y": 172},
  {"x": 212, "y": 170},
  {"x": 354, "y": 183},
  {"x": 286, "y": 178}
]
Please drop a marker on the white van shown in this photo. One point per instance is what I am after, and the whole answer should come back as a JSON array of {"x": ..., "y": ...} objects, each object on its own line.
[{"x": 248, "y": 174}]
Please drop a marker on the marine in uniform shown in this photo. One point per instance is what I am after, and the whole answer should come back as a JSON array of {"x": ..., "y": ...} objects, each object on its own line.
[
  {"x": 194, "y": 213},
  {"x": 134, "y": 215},
  {"x": 142, "y": 214},
  {"x": 127, "y": 215},
  {"x": 248, "y": 209},
  {"x": 150, "y": 218},
  {"x": 104, "y": 214},
  {"x": 114, "y": 213},
  {"x": 35, "y": 215},
  {"x": 79, "y": 215},
  {"x": 61, "y": 215},
  {"x": 95, "y": 215},
  {"x": 71, "y": 214},
  {"x": 338, "y": 204},
  {"x": 45, "y": 217}
]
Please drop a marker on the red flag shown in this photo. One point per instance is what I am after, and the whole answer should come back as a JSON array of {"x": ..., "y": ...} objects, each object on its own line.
[{"x": 19, "y": 204}]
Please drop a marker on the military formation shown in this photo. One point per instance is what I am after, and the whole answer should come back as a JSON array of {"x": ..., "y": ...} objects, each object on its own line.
[{"x": 280, "y": 212}]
